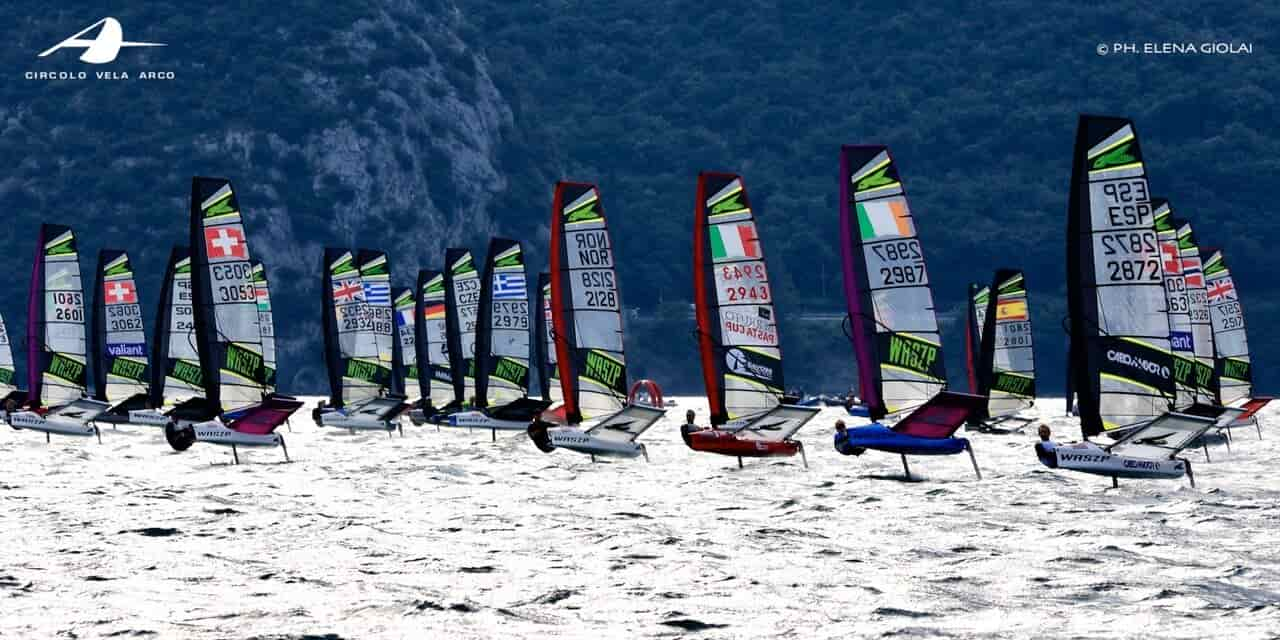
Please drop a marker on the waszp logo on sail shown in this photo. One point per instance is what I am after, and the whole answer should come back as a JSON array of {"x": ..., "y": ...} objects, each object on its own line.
[{"x": 102, "y": 47}]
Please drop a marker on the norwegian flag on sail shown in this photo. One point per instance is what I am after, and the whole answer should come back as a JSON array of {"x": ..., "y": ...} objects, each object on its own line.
[{"x": 1191, "y": 267}]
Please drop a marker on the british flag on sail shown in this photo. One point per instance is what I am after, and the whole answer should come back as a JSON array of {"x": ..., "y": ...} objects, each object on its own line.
[
  {"x": 508, "y": 286},
  {"x": 346, "y": 291},
  {"x": 377, "y": 293}
]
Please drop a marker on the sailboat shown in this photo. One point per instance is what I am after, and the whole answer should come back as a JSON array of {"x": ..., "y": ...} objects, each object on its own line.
[
  {"x": 118, "y": 345},
  {"x": 176, "y": 376},
  {"x": 8, "y": 374},
  {"x": 892, "y": 324},
  {"x": 545, "y": 352},
  {"x": 587, "y": 319},
  {"x": 266, "y": 322},
  {"x": 55, "y": 402},
  {"x": 404, "y": 356},
  {"x": 502, "y": 346},
  {"x": 236, "y": 410},
  {"x": 461, "y": 311},
  {"x": 738, "y": 331},
  {"x": 356, "y": 315},
  {"x": 999, "y": 350},
  {"x": 1122, "y": 363},
  {"x": 1233, "y": 366},
  {"x": 431, "y": 344}
]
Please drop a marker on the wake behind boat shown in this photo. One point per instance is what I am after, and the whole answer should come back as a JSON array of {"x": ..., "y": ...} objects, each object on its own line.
[
  {"x": 738, "y": 331},
  {"x": 586, "y": 315}
]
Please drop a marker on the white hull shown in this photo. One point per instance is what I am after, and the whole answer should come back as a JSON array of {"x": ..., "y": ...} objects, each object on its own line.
[
  {"x": 33, "y": 421},
  {"x": 478, "y": 420},
  {"x": 214, "y": 432},
  {"x": 337, "y": 419},
  {"x": 1099, "y": 462},
  {"x": 578, "y": 440}
]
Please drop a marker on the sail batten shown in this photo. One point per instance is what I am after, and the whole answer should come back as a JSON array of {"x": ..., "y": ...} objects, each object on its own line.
[
  {"x": 586, "y": 305},
  {"x": 737, "y": 323},
  {"x": 892, "y": 323}
]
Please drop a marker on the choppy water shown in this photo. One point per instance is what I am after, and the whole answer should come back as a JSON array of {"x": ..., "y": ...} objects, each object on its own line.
[{"x": 445, "y": 532}]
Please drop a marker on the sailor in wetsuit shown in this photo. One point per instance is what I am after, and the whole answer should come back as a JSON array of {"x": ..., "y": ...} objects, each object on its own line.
[
  {"x": 687, "y": 429},
  {"x": 9, "y": 407},
  {"x": 842, "y": 441},
  {"x": 1046, "y": 447}
]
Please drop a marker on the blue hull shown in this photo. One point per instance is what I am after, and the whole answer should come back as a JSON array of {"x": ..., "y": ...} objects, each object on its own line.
[{"x": 881, "y": 438}]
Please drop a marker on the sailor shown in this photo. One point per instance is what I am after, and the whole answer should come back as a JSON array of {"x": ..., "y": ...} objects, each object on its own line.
[
  {"x": 1045, "y": 448},
  {"x": 9, "y": 407},
  {"x": 842, "y": 441},
  {"x": 687, "y": 429}
]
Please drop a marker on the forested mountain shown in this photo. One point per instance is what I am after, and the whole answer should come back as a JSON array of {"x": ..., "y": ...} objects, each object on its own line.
[{"x": 415, "y": 126}]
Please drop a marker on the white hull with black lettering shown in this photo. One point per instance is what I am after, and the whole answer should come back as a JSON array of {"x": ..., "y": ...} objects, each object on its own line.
[
  {"x": 578, "y": 440},
  {"x": 33, "y": 421},
  {"x": 1099, "y": 462},
  {"x": 480, "y": 420}
]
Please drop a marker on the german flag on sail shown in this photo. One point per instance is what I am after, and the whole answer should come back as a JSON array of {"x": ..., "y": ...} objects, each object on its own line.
[
  {"x": 1011, "y": 309},
  {"x": 884, "y": 219},
  {"x": 433, "y": 312}
]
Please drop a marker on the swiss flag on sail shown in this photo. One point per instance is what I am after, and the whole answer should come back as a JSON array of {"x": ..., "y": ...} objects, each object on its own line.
[
  {"x": 225, "y": 242},
  {"x": 1171, "y": 257},
  {"x": 120, "y": 292}
]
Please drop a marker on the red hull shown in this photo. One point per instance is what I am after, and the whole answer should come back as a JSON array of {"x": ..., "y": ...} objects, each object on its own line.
[{"x": 725, "y": 443}]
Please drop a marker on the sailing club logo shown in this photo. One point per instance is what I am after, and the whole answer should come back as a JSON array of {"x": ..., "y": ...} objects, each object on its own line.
[{"x": 98, "y": 44}]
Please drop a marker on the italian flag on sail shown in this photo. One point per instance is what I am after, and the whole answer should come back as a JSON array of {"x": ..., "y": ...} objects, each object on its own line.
[
  {"x": 882, "y": 219},
  {"x": 734, "y": 241}
]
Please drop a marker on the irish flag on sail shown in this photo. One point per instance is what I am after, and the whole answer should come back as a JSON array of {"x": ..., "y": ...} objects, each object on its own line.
[
  {"x": 884, "y": 219},
  {"x": 734, "y": 240}
]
